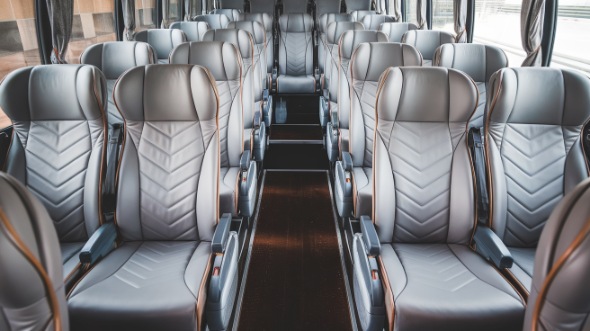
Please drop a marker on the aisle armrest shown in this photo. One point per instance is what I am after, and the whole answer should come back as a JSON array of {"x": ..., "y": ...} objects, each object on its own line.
[
  {"x": 369, "y": 235},
  {"x": 100, "y": 244},
  {"x": 343, "y": 185},
  {"x": 490, "y": 246},
  {"x": 248, "y": 184}
]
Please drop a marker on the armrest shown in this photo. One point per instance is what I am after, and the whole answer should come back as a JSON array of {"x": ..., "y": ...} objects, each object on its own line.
[
  {"x": 347, "y": 161},
  {"x": 221, "y": 234},
  {"x": 370, "y": 236},
  {"x": 100, "y": 244},
  {"x": 335, "y": 120},
  {"x": 491, "y": 247},
  {"x": 343, "y": 186},
  {"x": 265, "y": 94},
  {"x": 248, "y": 186},
  {"x": 245, "y": 160},
  {"x": 257, "y": 119}
]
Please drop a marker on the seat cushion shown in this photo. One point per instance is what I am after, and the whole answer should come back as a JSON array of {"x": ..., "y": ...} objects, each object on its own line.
[
  {"x": 523, "y": 266},
  {"x": 142, "y": 286},
  {"x": 296, "y": 84},
  {"x": 448, "y": 287},
  {"x": 228, "y": 190},
  {"x": 69, "y": 257},
  {"x": 363, "y": 191}
]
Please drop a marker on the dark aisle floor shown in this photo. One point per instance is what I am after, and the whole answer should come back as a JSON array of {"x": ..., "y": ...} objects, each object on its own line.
[{"x": 295, "y": 279}]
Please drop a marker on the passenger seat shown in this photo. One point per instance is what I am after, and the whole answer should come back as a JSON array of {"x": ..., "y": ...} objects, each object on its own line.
[
  {"x": 427, "y": 41},
  {"x": 194, "y": 31},
  {"x": 323, "y": 22},
  {"x": 373, "y": 22},
  {"x": 215, "y": 21},
  {"x": 396, "y": 30},
  {"x": 162, "y": 40},
  {"x": 267, "y": 22},
  {"x": 359, "y": 14},
  {"x": 232, "y": 14}
]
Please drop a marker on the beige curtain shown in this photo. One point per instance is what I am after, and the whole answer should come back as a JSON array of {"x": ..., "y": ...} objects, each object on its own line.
[
  {"x": 395, "y": 9},
  {"x": 460, "y": 17},
  {"x": 421, "y": 14},
  {"x": 128, "y": 19},
  {"x": 531, "y": 29},
  {"x": 61, "y": 16},
  {"x": 188, "y": 9},
  {"x": 165, "y": 14}
]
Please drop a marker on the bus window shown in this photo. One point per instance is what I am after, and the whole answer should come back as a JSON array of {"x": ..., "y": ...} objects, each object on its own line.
[
  {"x": 572, "y": 39},
  {"x": 18, "y": 40},
  {"x": 174, "y": 10},
  {"x": 411, "y": 11},
  {"x": 442, "y": 16},
  {"x": 93, "y": 23},
  {"x": 145, "y": 15},
  {"x": 498, "y": 23}
]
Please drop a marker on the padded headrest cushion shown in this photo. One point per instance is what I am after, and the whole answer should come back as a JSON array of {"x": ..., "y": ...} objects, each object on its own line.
[
  {"x": 162, "y": 40},
  {"x": 351, "y": 39},
  {"x": 194, "y": 30},
  {"x": 336, "y": 29},
  {"x": 374, "y": 21},
  {"x": 326, "y": 19},
  {"x": 215, "y": 21},
  {"x": 395, "y": 30},
  {"x": 477, "y": 60},
  {"x": 222, "y": 59},
  {"x": 370, "y": 60},
  {"x": 254, "y": 28},
  {"x": 116, "y": 57},
  {"x": 240, "y": 38},
  {"x": 296, "y": 23},
  {"x": 427, "y": 41},
  {"x": 262, "y": 18}
]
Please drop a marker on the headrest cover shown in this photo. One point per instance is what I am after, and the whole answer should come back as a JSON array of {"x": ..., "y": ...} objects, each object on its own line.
[
  {"x": 222, "y": 59},
  {"x": 374, "y": 21},
  {"x": 116, "y": 57},
  {"x": 351, "y": 39},
  {"x": 326, "y": 19},
  {"x": 54, "y": 93},
  {"x": 477, "y": 60},
  {"x": 194, "y": 30},
  {"x": 167, "y": 92},
  {"x": 427, "y": 41},
  {"x": 370, "y": 60},
  {"x": 215, "y": 21},
  {"x": 336, "y": 29},
  {"x": 254, "y": 28},
  {"x": 240, "y": 38},
  {"x": 262, "y": 18},
  {"x": 421, "y": 94},
  {"x": 296, "y": 23},
  {"x": 538, "y": 96},
  {"x": 395, "y": 30},
  {"x": 162, "y": 40}
]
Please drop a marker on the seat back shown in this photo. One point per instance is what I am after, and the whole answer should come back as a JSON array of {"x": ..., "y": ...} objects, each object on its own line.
[
  {"x": 57, "y": 150},
  {"x": 258, "y": 34},
  {"x": 396, "y": 30},
  {"x": 358, "y": 14},
  {"x": 427, "y": 41},
  {"x": 533, "y": 126},
  {"x": 368, "y": 62},
  {"x": 32, "y": 293},
  {"x": 215, "y": 21},
  {"x": 232, "y": 14},
  {"x": 423, "y": 183},
  {"x": 476, "y": 60},
  {"x": 559, "y": 300},
  {"x": 169, "y": 164},
  {"x": 325, "y": 7},
  {"x": 331, "y": 60},
  {"x": 232, "y": 4},
  {"x": 374, "y": 21},
  {"x": 113, "y": 59},
  {"x": 322, "y": 26},
  {"x": 262, "y": 6},
  {"x": 295, "y": 45},
  {"x": 223, "y": 61},
  {"x": 162, "y": 40},
  {"x": 194, "y": 31},
  {"x": 266, "y": 21}
]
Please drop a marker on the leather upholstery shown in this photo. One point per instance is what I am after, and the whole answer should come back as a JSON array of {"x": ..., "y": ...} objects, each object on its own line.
[
  {"x": 333, "y": 34},
  {"x": 194, "y": 31},
  {"x": 535, "y": 154},
  {"x": 295, "y": 54},
  {"x": 267, "y": 23},
  {"x": 57, "y": 150},
  {"x": 373, "y": 22},
  {"x": 359, "y": 14},
  {"x": 32, "y": 290},
  {"x": 215, "y": 21},
  {"x": 559, "y": 296},
  {"x": 424, "y": 207},
  {"x": 223, "y": 61},
  {"x": 323, "y": 21},
  {"x": 162, "y": 40},
  {"x": 258, "y": 34},
  {"x": 427, "y": 41},
  {"x": 166, "y": 197},
  {"x": 476, "y": 60},
  {"x": 113, "y": 59},
  {"x": 368, "y": 62},
  {"x": 395, "y": 31},
  {"x": 232, "y": 13}
]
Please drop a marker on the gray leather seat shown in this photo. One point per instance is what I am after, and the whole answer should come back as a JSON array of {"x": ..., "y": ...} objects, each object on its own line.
[
  {"x": 533, "y": 127},
  {"x": 266, "y": 21},
  {"x": 295, "y": 73},
  {"x": 232, "y": 14},
  {"x": 215, "y": 21},
  {"x": 58, "y": 152},
  {"x": 424, "y": 212},
  {"x": 113, "y": 59},
  {"x": 323, "y": 21},
  {"x": 476, "y": 60},
  {"x": 32, "y": 293},
  {"x": 359, "y": 14},
  {"x": 262, "y": 6},
  {"x": 396, "y": 30},
  {"x": 166, "y": 211},
  {"x": 560, "y": 297},
  {"x": 427, "y": 41},
  {"x": 374, "y": 21},
  {"x": 323, "y": 7},
  {"x": 162, "y": 40},
  {"x": 368, "y": 62},
  {"x": 194, "y": 31}
]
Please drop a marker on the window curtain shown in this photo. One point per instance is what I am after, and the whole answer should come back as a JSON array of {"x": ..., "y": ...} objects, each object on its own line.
[
  {"x": 61, "y": 15},
  {"x": 165, "y": 14},
  {"x": 395, "y": 9},
  {"x": 188, "y": 10},
  {"x": 421, "y": 14},
  {"x": 531, "y": 30},
  {"x": 460, "y": 18},
  {"x": 129, "y": 19}
]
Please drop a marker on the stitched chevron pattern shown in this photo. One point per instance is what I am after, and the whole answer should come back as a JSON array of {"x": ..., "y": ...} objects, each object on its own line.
[
  {"x": 366, "y": 92},
  {"x": 421, "y": 166},
  {"x": 227, "y": 91},
  {"x": 534, "y": 161},
  {"x": 57, "y": 154},
  {"x": 296, "y": 47},
  {"x": 170, "y": 158},
  {"x": 156, "y": 263}
]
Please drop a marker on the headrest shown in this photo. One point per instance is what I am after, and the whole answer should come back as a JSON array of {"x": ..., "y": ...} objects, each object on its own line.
[
  {"x": 296, "y": 23},
  {"x": 240, "y": 38},
  {"x": 167, "y": 92},
  {"x": 215, "y": 21},
  {"x": 374, "y": 21},
  {"x": 232, "y": 14},
  {"x": 254, "y": 28},
  {"x": 395, "y": 31},
  {"x": 358, "y": 15},
  {"x": 116, "y": 57},
  {"x": 477, "y": 60},
  {"x": 54, "y": 93},
  {"x": 370, "y": 60},
  {"x": 194, "y": 30},
  {"x": 262, "y": 18},
  {"x": 538, "y": 96},
  {"x": 427, "y": 41},
  {"x": 336, "y": 29},
  {"x": 222, "y": 59},
  {"x": 351, "y": 39},
  {"x": 326, "y": 19},
  {"x": 162, "y": 40},
  {"x": 425, "y": 94}
]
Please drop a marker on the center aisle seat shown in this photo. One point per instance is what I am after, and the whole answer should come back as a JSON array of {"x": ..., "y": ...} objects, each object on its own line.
[
  {"x": 267, "y": 22},
  {"x": 427, "y": 41},
  {"x": 177, "y": 259},
  {"x": 162, "y": 40},
  {"x": 295, "y": 72},
  {"x": 194, "y": 31},
  {"x": 396, "y": 30},
  {"x": 417, "y": 242},
  {"x": 373, "y": 22},
  {"x": 215, "y": 21},
  {"x": 354, "y": 174},
  {"x": 238, "y": 177}
]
